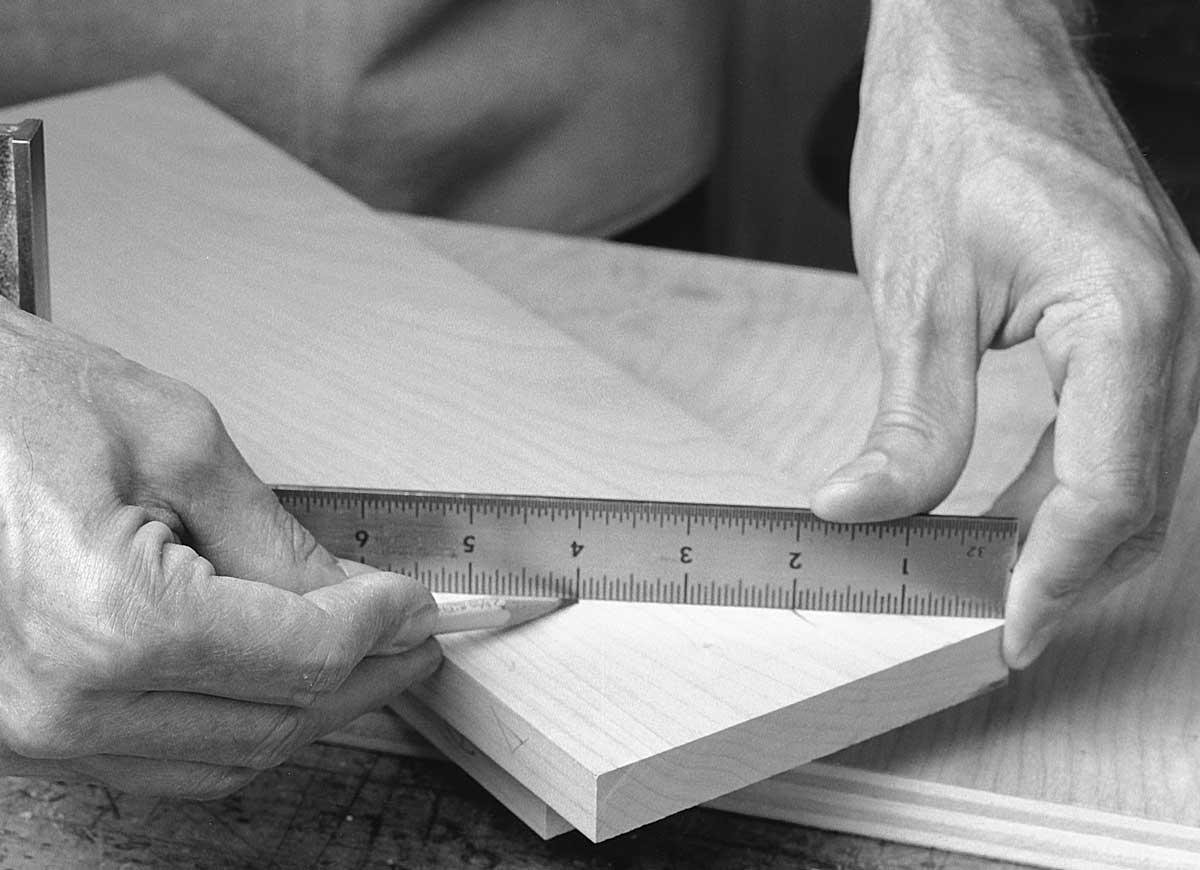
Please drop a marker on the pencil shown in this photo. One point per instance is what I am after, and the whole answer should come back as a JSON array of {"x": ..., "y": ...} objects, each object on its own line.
[{"x": 472, "y": 614}]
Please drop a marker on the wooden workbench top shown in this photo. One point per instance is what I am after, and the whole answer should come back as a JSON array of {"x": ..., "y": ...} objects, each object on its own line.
[{"x": 339, "y": 808}]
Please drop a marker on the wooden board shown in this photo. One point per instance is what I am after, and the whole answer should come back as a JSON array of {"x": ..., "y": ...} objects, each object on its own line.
[
  {"x": 932, "y": 814},
  {"x": 1104, "y": 733},
  {"x": 737, "y": 343},
  {"x": 342, "y": 352}
]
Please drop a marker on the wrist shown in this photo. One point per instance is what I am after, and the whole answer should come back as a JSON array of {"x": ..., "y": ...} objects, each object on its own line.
[
  {"x": 1012, "y": 63},
  {"x": 981, "y": 42},
  {"x": 981, "y": 18}
]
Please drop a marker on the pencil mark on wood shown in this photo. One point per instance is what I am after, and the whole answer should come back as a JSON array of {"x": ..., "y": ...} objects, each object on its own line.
[{"x": 514, "y": 740}]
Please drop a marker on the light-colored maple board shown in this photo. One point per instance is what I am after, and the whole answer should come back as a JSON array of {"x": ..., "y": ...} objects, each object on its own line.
[
  {"x": 675, "y": 706},
  {"x": 340, "y": 351},
  {"x": 1106, "y": 724},
  {"x": 940, "y": 816},
  {"x": 847, "y": 798},
  {"x": 522, "y": 802},
  {"x": 778, "y": 359}
]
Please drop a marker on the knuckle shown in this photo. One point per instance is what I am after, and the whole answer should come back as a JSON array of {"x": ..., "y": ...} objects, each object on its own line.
[
  {"x": 909, "y": 421},
  {"x": 1141, "y": 318},
  {"x": 43, "y": 730},
  {"x": 1116, "y": 505},
  {"x": 1062, "y": 587},
  {"x": 330, "y": 664},
  {"x": 1129, "y": 286},
  {"x": 122, "y": 662},
  {"x": 931, "y": 426},
  {"x": 183, "y": 565},
  {"x": 1141, "y": 550},
  {"x": 303, "y": 547},
  {"x": 190, "y": 429},
  {"x": 905, "y": 321},
  {"x": 1127, "y": 508},
  {"x": 1139, "y": 321},
  {"x": 193, "y": 407},
  {"x": 1152, "y": 536},
  {"x": 111, "y": 659},
  {"x": 59, "y": 647},
  {"x": 1164, "y": 311},
  {"x": 54, "y": 675},
  {"x": 201, "y": 426},
  {"x": 140, "y": 624}
]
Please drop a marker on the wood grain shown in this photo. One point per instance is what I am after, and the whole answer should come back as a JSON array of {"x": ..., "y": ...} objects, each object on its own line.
[
  {"x": 1036, "y": 832},
  {"x": 522, "y": 802},
  {"x": 1109, "y": 719},
  {"x": 840, "y": 797},
  {"x": 1107, "y": 722},
  {"x": 341, "y": 809},
  {"x": 340, "y": 351},
  {"x": 736, "y": 343}
]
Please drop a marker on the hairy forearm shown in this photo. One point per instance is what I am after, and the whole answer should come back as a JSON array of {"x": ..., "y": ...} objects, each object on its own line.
[
  {"x": 973, "y": 19},
  {"x": 996, "y": 198},
  {"x": 1021, "y": 61},
  {"x": 1005, "y": 41}
]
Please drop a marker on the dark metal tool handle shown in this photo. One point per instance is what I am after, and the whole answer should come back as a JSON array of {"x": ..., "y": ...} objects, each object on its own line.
[{"x": 24, "y": 252}]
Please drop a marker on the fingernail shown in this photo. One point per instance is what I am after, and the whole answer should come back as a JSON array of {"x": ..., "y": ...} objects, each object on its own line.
[
  {"x": 862, "y": 467},
  {"x": 433, "y": 652},
  {"x": 416, "y": 629},
  {"x": 855, "y": 472},
  {"x": 355, "y": 569},
  {"x": 429, "y": 660}
]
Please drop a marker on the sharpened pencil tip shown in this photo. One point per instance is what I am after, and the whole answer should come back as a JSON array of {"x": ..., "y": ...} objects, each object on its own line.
[
  {"x": 473, "y": 614},
  {"x": 528, "y": 609}
]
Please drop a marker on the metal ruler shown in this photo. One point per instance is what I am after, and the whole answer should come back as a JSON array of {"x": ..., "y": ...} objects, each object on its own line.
[{"x": 667, "y": 552}]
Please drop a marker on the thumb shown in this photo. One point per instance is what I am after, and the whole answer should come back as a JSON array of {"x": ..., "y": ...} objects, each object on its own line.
[
  {"x": 241, "y": 528},
  {"x": 919, "y": 441}
]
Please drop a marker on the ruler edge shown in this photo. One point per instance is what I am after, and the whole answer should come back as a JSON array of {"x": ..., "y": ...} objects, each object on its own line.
[
  {"x": 1011, "y": 525},
  {"x": 1007, "y": 529}
]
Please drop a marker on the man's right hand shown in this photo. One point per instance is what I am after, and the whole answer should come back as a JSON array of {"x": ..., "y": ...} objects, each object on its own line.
[{"x": 165, "y": 626}]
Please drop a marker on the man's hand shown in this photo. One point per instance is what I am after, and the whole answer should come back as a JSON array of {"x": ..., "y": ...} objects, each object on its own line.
[
  {"x": 996, "y": 197},
  {"x": 165, "y": 626}
]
